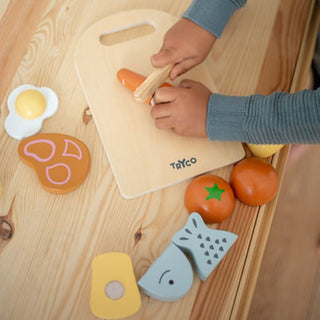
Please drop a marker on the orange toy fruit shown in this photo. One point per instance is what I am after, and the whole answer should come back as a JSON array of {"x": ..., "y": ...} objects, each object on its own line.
[
  {"x": 254, "y": 181},
  {"x": 211, "y": 196}
]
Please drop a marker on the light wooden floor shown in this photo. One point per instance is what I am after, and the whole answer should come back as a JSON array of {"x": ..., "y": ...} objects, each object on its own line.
[{"x": 288, "y": 286}]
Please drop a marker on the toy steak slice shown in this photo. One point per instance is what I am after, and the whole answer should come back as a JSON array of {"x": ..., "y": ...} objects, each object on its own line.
[
  {"x": 170, "y": 277},
  {"x": 205, "y": 246}
]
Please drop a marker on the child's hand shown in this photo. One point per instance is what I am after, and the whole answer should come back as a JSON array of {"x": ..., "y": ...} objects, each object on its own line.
[
  {"x": 186, "y": 44},
  {"x": 183, "y": 109}
]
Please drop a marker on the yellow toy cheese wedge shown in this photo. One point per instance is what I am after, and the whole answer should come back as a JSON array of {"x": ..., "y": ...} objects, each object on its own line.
[
  {"x": 264, "y": 150},
  {"x": 114, "y": 290}
]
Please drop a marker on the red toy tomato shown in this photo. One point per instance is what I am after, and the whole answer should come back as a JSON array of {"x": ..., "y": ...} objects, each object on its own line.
[
  {"x": 254, "y": 181},
  {"x": 211, "y": 196}
]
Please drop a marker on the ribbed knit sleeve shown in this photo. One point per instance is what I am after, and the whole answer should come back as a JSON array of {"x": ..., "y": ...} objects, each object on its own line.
[
  {"x": 212, "y": 15},
  {"x": 278, "y": 118}
]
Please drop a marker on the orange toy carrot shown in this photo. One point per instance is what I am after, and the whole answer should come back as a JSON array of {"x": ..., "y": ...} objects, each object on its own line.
[{"x": 132, "y": 80}]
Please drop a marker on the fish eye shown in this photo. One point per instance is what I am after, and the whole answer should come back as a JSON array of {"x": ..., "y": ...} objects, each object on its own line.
[{"x": 171, "y": 282}]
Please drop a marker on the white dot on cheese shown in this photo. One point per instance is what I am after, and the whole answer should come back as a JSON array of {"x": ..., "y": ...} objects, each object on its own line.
[
  {"x": 114, "y": 290},
  {"x": 30, "y": 104}
]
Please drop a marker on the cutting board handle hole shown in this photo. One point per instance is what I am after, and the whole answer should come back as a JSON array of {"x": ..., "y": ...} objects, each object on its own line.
[{"x": 126, "y": 34}]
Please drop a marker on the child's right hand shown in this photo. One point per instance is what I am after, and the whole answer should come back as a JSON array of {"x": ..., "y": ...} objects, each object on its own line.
[{"x": 185, "y": 44}]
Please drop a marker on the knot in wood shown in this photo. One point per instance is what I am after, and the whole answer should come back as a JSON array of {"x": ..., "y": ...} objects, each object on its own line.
[{"x": 6, "y": 229}]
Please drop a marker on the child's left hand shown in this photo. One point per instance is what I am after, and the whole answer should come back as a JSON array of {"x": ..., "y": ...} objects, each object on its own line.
[{"x": 183, "y": 109}]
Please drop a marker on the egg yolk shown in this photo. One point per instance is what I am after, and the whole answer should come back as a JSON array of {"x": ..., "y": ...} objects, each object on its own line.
[{"x": 30, "y": 104}]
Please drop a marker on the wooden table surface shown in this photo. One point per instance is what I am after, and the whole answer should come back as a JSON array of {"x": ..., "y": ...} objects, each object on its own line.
[{"x": 45, "y": 264}]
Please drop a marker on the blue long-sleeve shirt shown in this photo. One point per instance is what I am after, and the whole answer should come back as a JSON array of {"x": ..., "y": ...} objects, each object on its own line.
[{"x": 278, "y": 118}]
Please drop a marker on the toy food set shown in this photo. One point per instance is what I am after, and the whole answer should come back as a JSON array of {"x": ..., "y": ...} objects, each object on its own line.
[
  {"x": 143, "y": 158},
  {"x": 253, "y": 181},
  {"x": 61, "y": 162},
  {"x": 28, "y": 107},
  {"x": 114, "y": 291}
]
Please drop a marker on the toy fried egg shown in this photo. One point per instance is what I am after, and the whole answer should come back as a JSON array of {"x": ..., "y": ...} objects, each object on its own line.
[{"x": 28, "y": 107}]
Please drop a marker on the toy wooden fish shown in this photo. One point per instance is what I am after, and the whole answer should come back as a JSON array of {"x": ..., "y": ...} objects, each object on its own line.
[{"x": 170, "y": 277}]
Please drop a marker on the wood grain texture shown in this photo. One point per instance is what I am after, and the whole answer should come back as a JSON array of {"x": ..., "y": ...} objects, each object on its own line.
[
  {"x": 297, "y": 241},
  {"x": 289, "y": 284},
  {"x": 45, "y": 267},
  {"x": 126, "y": 129},
  {"x": 299, "y": 82}
]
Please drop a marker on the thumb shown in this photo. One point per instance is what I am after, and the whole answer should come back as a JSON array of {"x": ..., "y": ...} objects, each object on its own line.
[{"x": 165, "y": 94}]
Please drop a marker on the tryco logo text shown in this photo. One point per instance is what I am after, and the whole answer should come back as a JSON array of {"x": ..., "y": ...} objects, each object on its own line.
[{"x": 180, "y": 164}]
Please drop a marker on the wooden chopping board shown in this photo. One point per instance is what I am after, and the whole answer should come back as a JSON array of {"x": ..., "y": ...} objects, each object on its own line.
[{"x": 143, "y": 158}]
